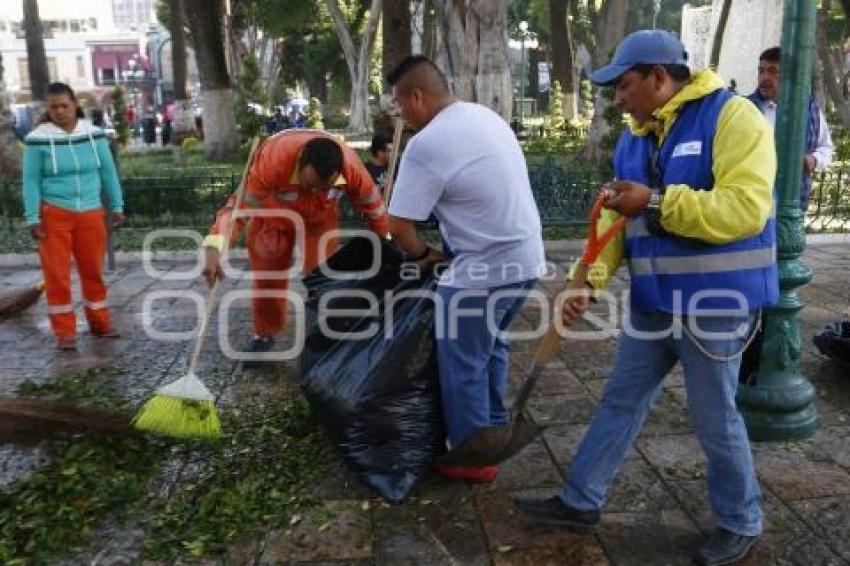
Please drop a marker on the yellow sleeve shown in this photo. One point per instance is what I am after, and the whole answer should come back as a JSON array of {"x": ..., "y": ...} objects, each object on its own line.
[
  {"x": 744, "y": 166},
  {"x": 611, "y": 256}
]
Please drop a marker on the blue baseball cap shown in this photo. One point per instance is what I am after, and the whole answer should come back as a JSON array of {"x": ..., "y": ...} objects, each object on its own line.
[{"x": 647, "y": 46}]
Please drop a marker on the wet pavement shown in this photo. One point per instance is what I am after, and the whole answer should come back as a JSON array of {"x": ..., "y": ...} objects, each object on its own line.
[{"x": 657, "y": 509}]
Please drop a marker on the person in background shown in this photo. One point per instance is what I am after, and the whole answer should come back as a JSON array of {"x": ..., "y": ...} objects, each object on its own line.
[
  {"x": 818, "y": 157},
  {"x": 381, "y": 149},
  {"x": 66, "y": 163},
  {"x": 819, "y": 146},
  {"x": 695, "y": 170}
]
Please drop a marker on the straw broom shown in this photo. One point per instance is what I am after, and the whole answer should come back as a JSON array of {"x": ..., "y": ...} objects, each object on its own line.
[
  {"x": 185, "y": 408},
  {"x": 19, "y": 300}
]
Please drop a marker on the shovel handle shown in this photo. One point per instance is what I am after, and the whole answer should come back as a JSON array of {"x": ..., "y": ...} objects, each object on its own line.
[{"x": 595, "y": 244}]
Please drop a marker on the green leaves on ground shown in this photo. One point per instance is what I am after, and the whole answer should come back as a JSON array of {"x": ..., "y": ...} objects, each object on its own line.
[{"x": 259, "y": 474}]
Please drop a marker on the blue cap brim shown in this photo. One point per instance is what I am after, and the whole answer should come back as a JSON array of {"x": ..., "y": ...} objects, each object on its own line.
[{"x": 608, "y": 75}]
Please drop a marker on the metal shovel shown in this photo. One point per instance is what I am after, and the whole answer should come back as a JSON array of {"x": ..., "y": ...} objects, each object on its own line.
[{"x": 493, "y": 444}]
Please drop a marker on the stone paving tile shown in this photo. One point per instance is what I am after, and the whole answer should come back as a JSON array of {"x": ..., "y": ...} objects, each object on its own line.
[
  {"x": 581, "y": 555},
  {"x": 563, "y": 441},
  {"x": 553, "y": 381},
  {"x": 245, "y": 550},
  {"x": 505, "y": 528},
  {"x": 833, "y": 385},
  {"x": 596, "y": 387},
  {"x": 437, "y": 526},
  {"x": 338, "y": 482},
  {"x": 11, "y": 379},
  {"x": 664, "y": 537},
  {"x": 562, "y": 409},
  {"x": 637, "y": 488},
  {"x": 834, "y": 441},
  {"x": 18, "y": 462},
  {"x": 332, "y": 530},
  {"x": 787, "y": 538},
  {"x": 830, "y": 519},
  {"x": 668, "y": 416},
  {"x": 795, "y": 474},
  {"x": 26, "y": 358},
  {"x": 829, "y": 414},
  {"x": 531, "y": 468},
  {"x": 589, "y": 359},
  {"x": 674, "y": 457},
  {"x": 12, "y": 331}
]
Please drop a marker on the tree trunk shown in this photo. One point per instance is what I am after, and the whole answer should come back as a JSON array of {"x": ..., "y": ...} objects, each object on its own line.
[
  {"x": 10, "y": 155},
  {"x": 474, "y": 35},
  {"x": 563, "y": 66},
  {"x": 182, "y": 125},
  {"x": 205, "y": 18},
  {"x": 830, "y": 77},
  {"x": 397, "y": 33},
  {"x": 610, "y": 28},
  {"x": 717, "y": 44},
  {"x": 357, "y": 61},
  {"x": 36, "y": 57},
  {"x": 430, "y": 37},
  {"x": 178, "y": 49}
]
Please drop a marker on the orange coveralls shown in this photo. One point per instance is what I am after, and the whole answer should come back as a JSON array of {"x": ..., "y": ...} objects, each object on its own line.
[{"x": 273, "y": 183}]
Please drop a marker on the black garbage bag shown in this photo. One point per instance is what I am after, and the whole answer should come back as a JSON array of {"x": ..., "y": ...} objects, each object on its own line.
[
  {"x": 834, "y": 341},
  {"x": 378, "y": 398}
]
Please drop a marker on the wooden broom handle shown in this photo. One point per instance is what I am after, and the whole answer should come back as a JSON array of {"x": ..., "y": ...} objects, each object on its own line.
[
  {"x": 388, "y": 183},
  {"x": 212, "y": 299}
]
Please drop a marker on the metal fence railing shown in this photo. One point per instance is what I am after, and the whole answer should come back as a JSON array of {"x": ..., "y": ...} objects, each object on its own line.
[{"x": 563, "y": 197}]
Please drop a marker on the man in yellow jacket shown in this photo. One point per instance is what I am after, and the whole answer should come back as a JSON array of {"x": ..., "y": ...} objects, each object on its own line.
[{"x": 695, "y": 172}]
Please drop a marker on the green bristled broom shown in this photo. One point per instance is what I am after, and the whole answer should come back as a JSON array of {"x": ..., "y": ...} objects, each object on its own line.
[{"x": 185, "y": 408}]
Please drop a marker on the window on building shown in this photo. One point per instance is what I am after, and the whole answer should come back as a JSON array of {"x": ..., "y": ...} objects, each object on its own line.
[
  {"x": 108, "y": 76},
  {"x": 81, "y": 68},
  {"x": 24, "y": 72},
  {"x": 93, "y": 24},
  {"x": 2, "y": 26},
  {"x": 75, "y": 26},
  {"x": 52, "y": 70}
]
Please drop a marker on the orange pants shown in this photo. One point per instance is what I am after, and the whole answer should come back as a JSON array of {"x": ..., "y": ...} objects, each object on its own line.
[
  {"x": 83, "y": 236},
  {"x": 270, "y": 245}
]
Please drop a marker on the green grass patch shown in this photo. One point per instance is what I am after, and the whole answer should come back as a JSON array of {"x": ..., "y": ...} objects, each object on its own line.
[{"x": 258, "y": 475}]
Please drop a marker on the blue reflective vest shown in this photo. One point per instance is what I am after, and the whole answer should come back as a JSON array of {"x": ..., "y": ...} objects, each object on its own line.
[{"x": 679, "y": 275}]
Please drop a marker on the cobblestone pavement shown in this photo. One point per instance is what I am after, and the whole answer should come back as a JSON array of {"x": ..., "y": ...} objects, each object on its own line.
[{"x": 657, "y": 509}]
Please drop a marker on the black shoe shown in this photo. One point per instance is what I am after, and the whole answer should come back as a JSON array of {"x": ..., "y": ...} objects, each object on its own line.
[
  {"x": 724, "y": 547},
  {"x": 553, "y": 512},
  {"x": 258, "y": 345}
]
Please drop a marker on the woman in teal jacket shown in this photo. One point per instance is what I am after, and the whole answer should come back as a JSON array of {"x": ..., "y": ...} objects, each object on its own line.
[{"x": 66, "y": 164}]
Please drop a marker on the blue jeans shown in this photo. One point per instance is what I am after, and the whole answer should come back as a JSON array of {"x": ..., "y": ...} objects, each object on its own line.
[
  {"x": 474, "y": 361},
  {"x": 641, "y": 365}
]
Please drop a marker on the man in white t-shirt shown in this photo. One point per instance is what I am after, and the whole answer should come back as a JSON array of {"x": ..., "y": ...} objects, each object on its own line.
[{"x": 465, "y": 166}]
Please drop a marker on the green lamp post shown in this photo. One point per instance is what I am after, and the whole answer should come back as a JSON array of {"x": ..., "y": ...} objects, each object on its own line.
[{"x": 777, "y": 405}]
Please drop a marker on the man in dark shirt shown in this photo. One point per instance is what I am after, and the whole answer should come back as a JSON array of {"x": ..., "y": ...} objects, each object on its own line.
[{"x": 382, "y": 147}]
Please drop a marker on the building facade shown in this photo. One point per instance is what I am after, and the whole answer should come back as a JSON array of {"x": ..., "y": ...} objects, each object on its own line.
[
  {"x": 91, "y": 53},
  {"x": 752, "y": 27}
]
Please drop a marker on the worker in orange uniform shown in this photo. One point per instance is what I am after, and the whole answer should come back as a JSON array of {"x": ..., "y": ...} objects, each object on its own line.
[{"x": 306, "y": 172}]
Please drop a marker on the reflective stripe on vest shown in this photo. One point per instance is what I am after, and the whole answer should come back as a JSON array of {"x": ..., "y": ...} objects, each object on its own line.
[
  {"x": 95, "y": 305},
  {"x": 250, "y": 200},
  {"x": 705, "y": 263}
]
